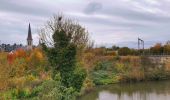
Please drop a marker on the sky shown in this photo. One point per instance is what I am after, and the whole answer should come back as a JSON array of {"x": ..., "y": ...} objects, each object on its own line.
[{"x": 109, "y": 22}]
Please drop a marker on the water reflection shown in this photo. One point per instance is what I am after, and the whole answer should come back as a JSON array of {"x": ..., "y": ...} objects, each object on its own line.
[{"x": 135, "y": 91}]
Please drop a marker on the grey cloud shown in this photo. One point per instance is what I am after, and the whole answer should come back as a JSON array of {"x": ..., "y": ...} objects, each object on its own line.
[
  {"x": 93, "y": 7},
  {"x": 108, "y": 17},
  {"x": 131, "y": 14},
  {"x": 11, "y": 6}
]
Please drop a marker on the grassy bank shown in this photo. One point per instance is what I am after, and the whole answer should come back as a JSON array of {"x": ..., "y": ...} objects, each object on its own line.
[{"x": 127, "y": 69}]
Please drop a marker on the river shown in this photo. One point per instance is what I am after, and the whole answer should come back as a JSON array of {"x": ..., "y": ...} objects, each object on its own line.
[{"x": 157, "y": 90}]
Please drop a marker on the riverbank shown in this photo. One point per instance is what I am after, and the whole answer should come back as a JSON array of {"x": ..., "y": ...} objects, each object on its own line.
[
  {"x": 126, "y": 69},
  {"x": 157, "y": 90}
]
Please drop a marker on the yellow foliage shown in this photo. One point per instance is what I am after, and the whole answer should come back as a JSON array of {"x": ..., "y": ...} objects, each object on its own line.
[
  {"x": 39, "y": 55},
  {"x": 19, "y": 72},
  {"x": 111, "y": 53},
  {"x": 88, "y": 85}
]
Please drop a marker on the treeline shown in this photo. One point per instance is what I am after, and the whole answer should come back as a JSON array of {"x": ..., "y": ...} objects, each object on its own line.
[{"x": 157, "y": 49}]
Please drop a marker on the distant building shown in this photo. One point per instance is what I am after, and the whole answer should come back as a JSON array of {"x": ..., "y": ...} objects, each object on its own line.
[
  {"x": 29, "y": 39},
  {"x": 29, "y": 46},
  {"x": 9, "y": 48}
]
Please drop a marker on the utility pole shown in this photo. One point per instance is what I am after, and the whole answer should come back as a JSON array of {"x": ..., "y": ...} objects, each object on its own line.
[
  {"x": 138, "y": 44},
  {"x": 141, "y": 42},
  {"x": 0, "y": 46}
]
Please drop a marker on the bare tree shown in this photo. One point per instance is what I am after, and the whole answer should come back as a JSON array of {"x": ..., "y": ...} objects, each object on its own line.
[{"x": 79, "y": 36}]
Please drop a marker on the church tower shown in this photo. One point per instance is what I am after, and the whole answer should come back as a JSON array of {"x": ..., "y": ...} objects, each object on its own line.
[{"x": 29, "y": 39}]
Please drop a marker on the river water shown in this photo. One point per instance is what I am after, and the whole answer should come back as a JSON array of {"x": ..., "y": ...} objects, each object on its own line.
[{"x": 157, "y": 90}]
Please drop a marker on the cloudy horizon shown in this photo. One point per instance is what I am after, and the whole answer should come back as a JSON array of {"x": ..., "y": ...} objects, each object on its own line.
[{"x": 109, "y": 22}]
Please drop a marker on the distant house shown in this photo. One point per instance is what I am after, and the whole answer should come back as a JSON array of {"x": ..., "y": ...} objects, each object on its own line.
[{"x": 8, "y": 47}]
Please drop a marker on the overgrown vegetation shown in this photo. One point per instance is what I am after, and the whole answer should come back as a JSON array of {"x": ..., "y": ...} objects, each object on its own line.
[
  {"x": 108, "y": 69},
  {"x": 67, "y": 66},
  {"x": 21, "y": 72}
]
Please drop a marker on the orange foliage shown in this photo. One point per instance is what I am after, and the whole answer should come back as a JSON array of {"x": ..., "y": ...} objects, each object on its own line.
[
  {"x": 111, "y": 53},
  {"x": 11, "y": 57},
  {"x": 157, "y": 48},
  {"x": 35, "y": 54},
  {"x": 35, "y": 59},
  {"x": 19, "y": 53}
]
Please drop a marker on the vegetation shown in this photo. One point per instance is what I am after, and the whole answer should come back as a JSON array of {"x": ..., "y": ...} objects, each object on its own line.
[
  {"x": 63, "y": 60},
  {"x": 21, "y": 72},
  {"x": 105, "y": 69},
  {"x": 67, "y": 66},
  {"x": 58, "y": 64}
]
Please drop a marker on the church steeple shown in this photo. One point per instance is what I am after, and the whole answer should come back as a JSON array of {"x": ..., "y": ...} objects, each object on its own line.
[
  {"x": 29, "y": 33},
  {"x": 29, "y": 38}
]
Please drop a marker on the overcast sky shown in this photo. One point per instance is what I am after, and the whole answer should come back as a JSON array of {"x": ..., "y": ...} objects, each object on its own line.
[{"x": 109, "y": 22}]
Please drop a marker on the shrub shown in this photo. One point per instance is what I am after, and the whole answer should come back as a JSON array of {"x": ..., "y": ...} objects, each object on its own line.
[
  {"x": 101, "y": 77},
  {"x": 88, "y": 85},
  {"x": 18, "y": 68},
  {"x": 36, "y": 61},
  {"x": 103, "y": 65},
  {"x": 54, "y": 90},
  {"x": 124, "y": 51}
]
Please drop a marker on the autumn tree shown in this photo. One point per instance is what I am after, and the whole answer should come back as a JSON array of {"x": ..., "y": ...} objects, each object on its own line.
[{"x": 157, "y": 49}]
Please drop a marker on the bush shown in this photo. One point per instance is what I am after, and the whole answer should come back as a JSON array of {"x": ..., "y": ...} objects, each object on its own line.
[
  {"x": 101, "y": 77},
  {"x": 103, "y": 65},
  {"x": 124, "y": 51},
  {"x": 54, "y": 90},
  {"x": 87, "y": 85},
  {"x": 79, "y": 76}
]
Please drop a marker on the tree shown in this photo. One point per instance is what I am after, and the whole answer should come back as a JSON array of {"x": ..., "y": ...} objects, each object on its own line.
[
  {"x": 124, "y": 51},
  {"x": 157, "y": 49},
  {"x": 62, "y": 55},
  {"x": 114, "y": 47},
  {"x": 78, "y": 35}
]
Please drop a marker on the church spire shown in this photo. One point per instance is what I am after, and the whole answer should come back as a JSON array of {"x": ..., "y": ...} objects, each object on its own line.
[{"x": 29, "y": 33}]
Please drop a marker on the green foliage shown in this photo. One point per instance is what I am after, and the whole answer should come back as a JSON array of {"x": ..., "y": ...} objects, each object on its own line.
[
  {"x": 63, "y": 59},
  {"x": 53, "y": 90},
  {"x": 104, "y": 65},
  {"x": 104, "y": 73},
  {"x": 79, "y": 75},
  {"x": 15, "y": 94},
  {"x": 103, "y": 77}
]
